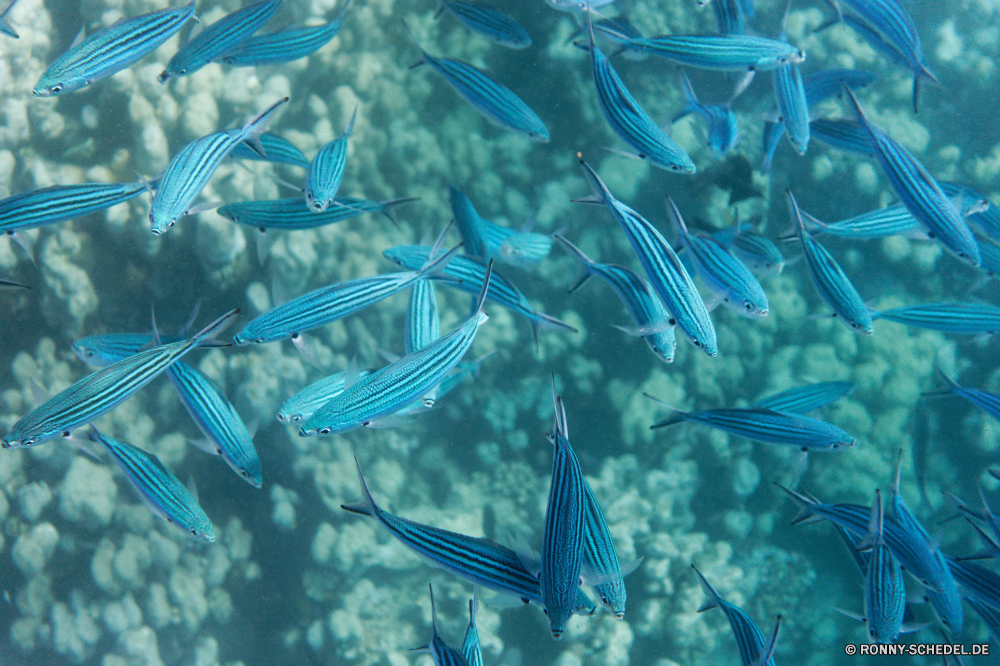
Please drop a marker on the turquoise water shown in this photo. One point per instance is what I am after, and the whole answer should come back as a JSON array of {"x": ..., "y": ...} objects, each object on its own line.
[{"x": 90, "y": 576}]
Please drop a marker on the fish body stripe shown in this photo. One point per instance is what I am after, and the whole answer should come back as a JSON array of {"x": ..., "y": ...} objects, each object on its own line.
[{"x": 58, "y": 203}]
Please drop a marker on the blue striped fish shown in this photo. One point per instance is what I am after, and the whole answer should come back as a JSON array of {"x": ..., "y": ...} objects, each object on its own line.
[
  {"x": 833, "y": 285},
  {"x": 102, "y": 391},
  {"x": 803, "y": 399},
  {"x": 564, "y": 534},
  {"x": 723, "y": 129},
  {"x": 664, "y": 270},
  {"x": 758, "y": 253},
  {"x": 111, "y": 50},
  {"x": 842, "y": 134},
  {"x": 627, "y": 119},
  {"x": 220, "y": 38},
  {"x": 724, "y": 275},
  {"x": 988, "y": 402},
  {"x": 490, "y": 97},
  {"x": 600, "y": 558},
  {"x": 276, "y": 150},
  {"x": 920, "y": 192},
  {"x": 293, "y": 214},
  {"x": 423, "y": 324},
  {"x": 977, "y": 582},
  {"x": 489, "y": 23},
  {"x": 395, "y": 386},
  {"x": 5, "y": 26},
  {"x": 766, "y": 425},
  {"x": 217, "y": 418},
  {"x": 889, "y": 221},
  {"x": 792, "y": 105},
  {"x": 885, "y": 590},
  {"x": 158, "y": 488},
  {"x": 326, "y": 170},
  {"x": 191, "y": 169},
  {"x": 727, "y": 53},
  {"x": 471, "y": 649},
  {"x": 285, "y": 45},
  {"x": 481, "y": 561},
  {"x": 523, "y": 249},
  {"x": 441, "y": 653},
  {"x": 469, "y": 224},
  {"x": 326, "y": 304},
  {"x": 102, "y": 350},
  {"x": 615, "y": 32},
  {"x": 651, "y": 319},
  {"x": 487, "y": 240},
  {"x": 302, "y": 405},
  {"x": 967, "y": 318},
  {"x": 753, "y": 646},
  {"x": 465, "y": 274},
  {"x": 729, "y": 17},
  {"x": 58, "y": 203}
]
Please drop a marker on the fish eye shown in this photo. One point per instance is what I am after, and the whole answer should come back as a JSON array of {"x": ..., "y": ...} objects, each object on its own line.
[
  {"x": 697, "y": 343},
  {"x": 748, "y": 305},
  {"x": 296, "y": 418},
  {"x": 88, "y": 353},
  {"x": 194, "y": 532},
  {"x": 325, "y": 431},
  {"x": 57, "y": 88},
  {"x": 854, "y": 324}
]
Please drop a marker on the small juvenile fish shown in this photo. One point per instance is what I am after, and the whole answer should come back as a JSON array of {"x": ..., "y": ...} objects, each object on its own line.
[
  {"x": 285, "y": 45},
  {"x": 220, "y": 38},
  {"x": 833, "y": 285},
  {"x": 395, "y": 386},
  {"x": 662, "y": 266},
  {"x": 767, "y": 425},
  {"x": 490, "y": 97},
  {"x": 191, "y": 169},
  {"x": 326, "y": 170},
  {"x": 723, "y": 127},
  {"x": 627, "y": 119},
  {"x": 102, "y": 391},
  {"x": 158, "y": 488},
  {"x": 727, "y": 53},
  {"x": 754, "y": 647},
  {"x": 293, "y": 214},
  {"x": 111, "y": 50},
  {"x": 651, "y": 319},
  {"x": 276, "y": 150},
  {"x": 920, "y": 192},
  {"x": 441, "y": 653},
  {"x": 967, "y": 318},
  {"x": 724, "y": 275},
  {"x": 58, "y": 203},
  {"x": 490, "y": 23},
  {"x": 803, "y": 399}
]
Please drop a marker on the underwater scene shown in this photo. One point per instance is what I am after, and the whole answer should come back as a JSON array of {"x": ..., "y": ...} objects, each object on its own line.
[{"x": 500, "y": 332}]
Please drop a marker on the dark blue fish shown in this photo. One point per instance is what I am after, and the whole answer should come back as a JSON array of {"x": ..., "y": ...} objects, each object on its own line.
[
  {"x": 841, "y": 134},
  {"x": 754, "y": 648},
  {"x": 490, "y": 23},
  {"x": 885, "y": 591},
  {"x": 723, "y": 129},
  {"x": 986, "y": 401},
  {"x": 276, "y": 150},
  {"x": 468, "y": 222},
  {"x": 111, "y": 50},
  {"x": 294, "y": 214},
  {"x": 441, "y": 653},
  {"x": 220, "y": 38},
  {"x": 963, "y": 318},
  {"x": 803, "y": 399},
  {"x": 729, "y": 17},
  {"x": 284, "y": 46}
]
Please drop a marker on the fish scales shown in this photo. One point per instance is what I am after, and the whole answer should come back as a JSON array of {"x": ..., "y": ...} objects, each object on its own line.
[{"x": 58, "y": 203}]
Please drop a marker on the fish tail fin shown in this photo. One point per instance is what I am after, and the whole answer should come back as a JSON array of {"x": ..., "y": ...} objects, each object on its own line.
[
  {"x": 807, "y": 504},
  {"x": 680, "y": 416},
  {"x": 713, "y": 595},
  {"x": 767, "y": 651},
  {"x": 366, "y": 506},
  {"x": 675, "y": 217},
  {"x": 216, "y": 326},
  {"x": 253, "y": 129},
  {"x": 601, "y": 192},
  {"x": 481, "y": 298},
  {"x": 385, "y": 207},
  {"x": 543, "y": 322},
  {"x": 585, "y": 262},
  {"x": 350, "y": 124}
]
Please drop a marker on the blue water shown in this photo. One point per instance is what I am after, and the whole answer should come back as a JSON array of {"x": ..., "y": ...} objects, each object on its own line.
[{"x": 89, "y": 576}]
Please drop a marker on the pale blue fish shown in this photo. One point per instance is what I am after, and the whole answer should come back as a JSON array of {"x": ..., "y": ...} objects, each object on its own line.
[
  {"x": 158, "y": 488},
  {"x": 5, "y": 27},
  {"x": 220, "y": 38},
  {"x": 326, "y": 170},
  {"x": 58, "y": 203},
  {"x": 447, "y": 385},
  {"x": 469, "y": 224},
  {"x": 490, "y": 97},
  {"x": 327, "y": 304},
  {"x": 803, "y": 399},
  {"x": 663, "y": 268},
  {"x": 578, "y": 7},
  {"x": 727, "y": 53},
  {"x": 471, "y": 649},
  {"x": 564, "y": 533},
  {"x": 889, "y": 221},
  {"x": 276, "y": 150},
  {"x": 600, "y": 557},
  {"x": 723, "y": 127},
  {"x": 753, "y": 646},
  {"x": 724, "y": 275},
  {"x": 651, "y": 319},
  {"x": 986, "y": 401},
  {"x": 792, "y": 105},
  {"x": 111, "y": 50},
  {"x": 218, "y": 420},
  {"x": 102, "y": 391},
  {"x": 441, "y": 653},
  {"x": 489, "y": 23},
  {"x": 301, "y": 406},
  {"x": 285, "y": 45},
  {"x": 920, "y": 192},
  {"x": 481, "y": 561},
  {"x": 842, "y": 134},
  {"x": 977, "y": 208},
  {"x": 524, "y": 249},
  {"x": 757, "y": 252},
  {"x": 832, "y": 284},
  {"x": 963, "y": 318},
  {"x": 395, "y": 386},
  {"x": 885, "y": 590},
  {"x": 104, "y": 349},
  {"x": 466, "y": 274},
  {"x": 191, "y": 169},
  {"x": 423, "y": 325},
  {"x": 487, "y": 240},
  {"x": 293, "y": 214},
  {"x": 766, "y": 425},
  {"x": 627, "y": 119}
]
